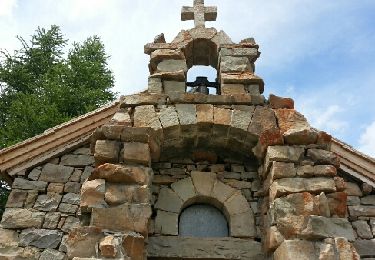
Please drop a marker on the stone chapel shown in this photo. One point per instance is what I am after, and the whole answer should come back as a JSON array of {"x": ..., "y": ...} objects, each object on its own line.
[{"x": 178, "y": 173}]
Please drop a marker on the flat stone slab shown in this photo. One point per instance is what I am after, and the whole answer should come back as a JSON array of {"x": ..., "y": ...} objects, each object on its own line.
[{"x": 164, "y": 247}]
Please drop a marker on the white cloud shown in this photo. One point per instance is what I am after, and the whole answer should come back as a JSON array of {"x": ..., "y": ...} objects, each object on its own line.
[
  {"x": 367, "y": 140},
  {"x": 7, "y": 6}
]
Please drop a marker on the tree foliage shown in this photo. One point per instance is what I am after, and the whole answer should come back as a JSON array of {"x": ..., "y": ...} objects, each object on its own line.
[{"x": 43, "y": 85}]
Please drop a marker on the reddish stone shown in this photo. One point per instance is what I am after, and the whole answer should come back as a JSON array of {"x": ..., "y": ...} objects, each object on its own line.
[
  {"x": 324, "y": 139},
  {"x": 121, "y": 174},
  {"x": 340, "y": 183},
  {"x": 337, "y": 203},
  {"x": 279, "y": 102},
  {"x": 133, "y": 244},
  {"x": 267, "y": 138}
]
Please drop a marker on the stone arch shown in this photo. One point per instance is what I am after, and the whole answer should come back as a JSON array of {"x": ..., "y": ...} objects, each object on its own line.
[{"x": 204, "y": 187}]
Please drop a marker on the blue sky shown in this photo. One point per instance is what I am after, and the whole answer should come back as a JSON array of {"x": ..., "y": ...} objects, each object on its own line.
[{"x": 321, "y": 53}]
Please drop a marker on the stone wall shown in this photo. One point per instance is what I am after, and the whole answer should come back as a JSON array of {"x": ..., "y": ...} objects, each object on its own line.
[{"x": 43, "y": 207}]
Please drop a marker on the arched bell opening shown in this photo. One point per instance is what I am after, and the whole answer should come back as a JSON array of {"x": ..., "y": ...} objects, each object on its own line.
[{"x": 202, "y": 79}]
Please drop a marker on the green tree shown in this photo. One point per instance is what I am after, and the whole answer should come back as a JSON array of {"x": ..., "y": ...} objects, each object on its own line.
[{"x": 42, "y": 85}]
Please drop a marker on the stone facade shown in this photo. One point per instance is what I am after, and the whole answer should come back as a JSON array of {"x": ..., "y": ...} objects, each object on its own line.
[{"x": 256, "y": 160}]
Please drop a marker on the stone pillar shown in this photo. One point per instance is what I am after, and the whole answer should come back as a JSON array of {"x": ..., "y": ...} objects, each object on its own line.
[
  {"x": 168, "y": 71},
  {"x": 304, "y": 205},
  {"x": 116, "y": 197}
]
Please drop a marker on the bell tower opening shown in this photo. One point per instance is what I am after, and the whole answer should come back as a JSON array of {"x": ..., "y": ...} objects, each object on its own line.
[{"x": 202, "y": 79}]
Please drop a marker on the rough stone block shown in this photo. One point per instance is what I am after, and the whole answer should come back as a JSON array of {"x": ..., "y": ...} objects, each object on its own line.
[
  {"x": 106, "y": 151},
  {"x": 49, "y": 254},
  {"x": 352, "y": 189},
  {"x": 34, "y": 174},
  {"x": 117, "y": 194},
  {"x": 320, "y": 156},
  {"x": 16, "y": 199},
  {"x": 337, "y": 204},
  {"x": 236, "y": 204},
  {"x": 222, "y": 192},
  {"x": 279, "y": 102},
  {"x": 281, "y": 170},
  {"x": 82, "y": 242},
  {"x": 8, "y": 237},
  {"x": 56, "y": 173},
  {"x": 273, "y": 239},
  {"x": 368, "y": 200},
  {"x": 362, "y": 211},
  {"x": 166, "y": 223},
  {"x": 155, "y": 85},
  {"x": 242, "y": 225},
  {"x": 203, "y": 182},
  {"x": 134, "y": 244},
  {"x": 127, "y": 217},
  {"x": 263, "y": 119},
  {"x": 174, "y": 87},
  {"x": 365, "y": 248},
  {"x": 41, "y": 238},
  {"x": 184, "y": 189},
  {"x": 169, "y": 201},
  {"x": 22, "y": 218},
  {"x": 48, "y": 202},
  {"x": 51, "y": 220},
  {"x": 145, "y": 116},
  {"x": 169, "y": 120},
  {"x": 123, "y": 174},
  {"x": 205, "y": 114},
  {"x": 92, "y": 195},
  {"x": 363, "y": 229},
  {"x": 230, "y": 89},
  {"x": 77, "y": 160},
  {"x": 22, "y": 184},
  {"x": 108, "y": 246},
  {"x": 186, "y": 114},
  {"x": 235, "y": 64},
  {"x": 172, "y": 65},
  {"x": 72, "y": 187},
  {"x": 71, "y": 198},
  {"x": 295, "y": 249},
  {"x": 138, "y": 153},
  {"x": 68, "y": 208}
]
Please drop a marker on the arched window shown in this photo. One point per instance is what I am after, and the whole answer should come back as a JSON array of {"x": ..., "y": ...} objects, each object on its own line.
[
  {"x": 202, "y": 220},
  {"x": 199, "y": 71}
]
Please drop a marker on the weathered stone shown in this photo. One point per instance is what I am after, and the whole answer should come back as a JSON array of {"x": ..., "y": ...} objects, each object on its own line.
[
  {"x": 353, "y": 200},
  {"x": 186, "y": 114},
  {"x": 263, "y": 119},
  {"x": 279, "y": 170},
  {"x": 230, "y": 89},
  {"x": 294, "y": 204},
  {"x": 239, "y": 52},
  {"x": 320, "y": 156},
  {"x": 117, "y": 194},
  {"x": 92, "y": 195},
  {"x": 208, "y": 248},
  {"x": 366, "y": 188},
  {"x": 68, "y": 208},
  {"x": 326, "y": 251},
  {"x": 41, "y": 238},
  {"x": 16, "y": 199},
  {"x": 19, "y": 253},
  {"x": 51, "y": 220},
  {"x": 108, "y": 246},
  {"x": 171, "y": 87},
  {"x": 340, "y": 183},
  {"x": 236, "y": 204},
  {"x": 56, "y": 173},
  {"x": 71, "y": 198},
  {"x": 203, "y": 182},
  {"x": 242, "y": 225},
  {"x": 76, "y": 175},
  {"x": 72, "y": 187},
  {"x": 106, "y": 151},
  {"x": 269, "y": 137},
  {"x": 169, "y": 201},
  {"x": 365, "y": 248},
  {"x": 337, "y": 204},
  {"x": 352, "y": 189},
  {"x": 363, "y": 229},
  {"x": 48, "y": 202},
  {"x": 8, "y": 238},
  {"x": 86, "y": 173},
  {"x": 122, "y": 174},
  {"x": 295, "y": 185},
  {"x": 294, "y": 127},
  {"x": 138, "y": 153},
  {"x": 171, "y": 65},
  {"x": 155, "y": 86},
  {"x": 345, "y": 249},
  {"x": 368, "y": 200},
  {"x": 49, "y": 254},
  {"x": 31, "y": 198},
  {"x": 22, "y": 184},
  {"x": 134, "y": 244},
  {"x": 21, "y": 218},
  {"x": 273, "y": 239},
  {"x": 205, "y": 115},
  {"x": 184, "y": 189},
  {"x": 145, "y": 116},
  {"x": 238, "y": 184},
  {"x": 169, "y": 120},
  {"x": 82, "y": 150},
  {"x": 127, "y": 217},
  {"x": 166, "y": 223},
  {"x": 82, "y": 241},
  {"x": 283, "y": 154},
  {"x": 235, "y": 64},
  {"x": 279, "y": 102},
  {"x": 57, "y": 188},
  {"x": 362, "y": 211},
  {"x": 34, "y": 174},
  {"x": 70, "y": 223},
  {"x": 295, "y": 249},
  {"x": 77, "y": 160},
  {"x": 221, "y": 192}
]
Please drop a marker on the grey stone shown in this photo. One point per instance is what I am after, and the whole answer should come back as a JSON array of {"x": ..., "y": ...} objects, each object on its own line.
[
  {"x": 368, "y": 200},
  {"x": 71, "y": 198},
  {"x": 8, "y": 238},
  {"x": 362, "y": 211},
  {"x": 184, "y": 189},
  {"x": 16, "y": 199},
  {"x": 352, "y": 189},
  {"x": 34, "y": 174},
  {"x": 174, "y": 86},
  {"x": 363, "y": 229},
  {"x": 48, "y": 202},
  {"x": 353, "y": 200},
  {"x": 77, "y": 160},
  {"x": 68, "y": 208},
  {"x": 365, "y": 248},
  {"x": 86, "y": 173},
  {"x": 72, "y": 187},
  {"x": 22, "y": 218},
  {"x": 166, "y": 223},
  {"x": 322, "y": 227},
  {"x": 82, "y": 150},
  {"x": 204, "y": 248},
  {"x": 283, "y": 154},
  {"x": 70, "y": 223},
  {"x": 320, "y": 156},
  {"x": 56, "y": 173},
  {"x": 63, "y": 245},
  {"x": 240, "y": 52},
  {"x": 51, "y": 220},
  {"x": 41, "y": 238},
  {"x": 22, "y": 184},
  {"x": 172, "y": 65},
  {"x": 76, "y": 176},
  {"x": 155, "y": 85},
  {"x": 235, "y": 64},
  {"x": 169, "y": 201},
  {"x": 50, "y": 254}
]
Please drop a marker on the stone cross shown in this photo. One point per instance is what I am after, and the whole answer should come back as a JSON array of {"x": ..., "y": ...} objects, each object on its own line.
[{"x": 199, "y": 13}]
